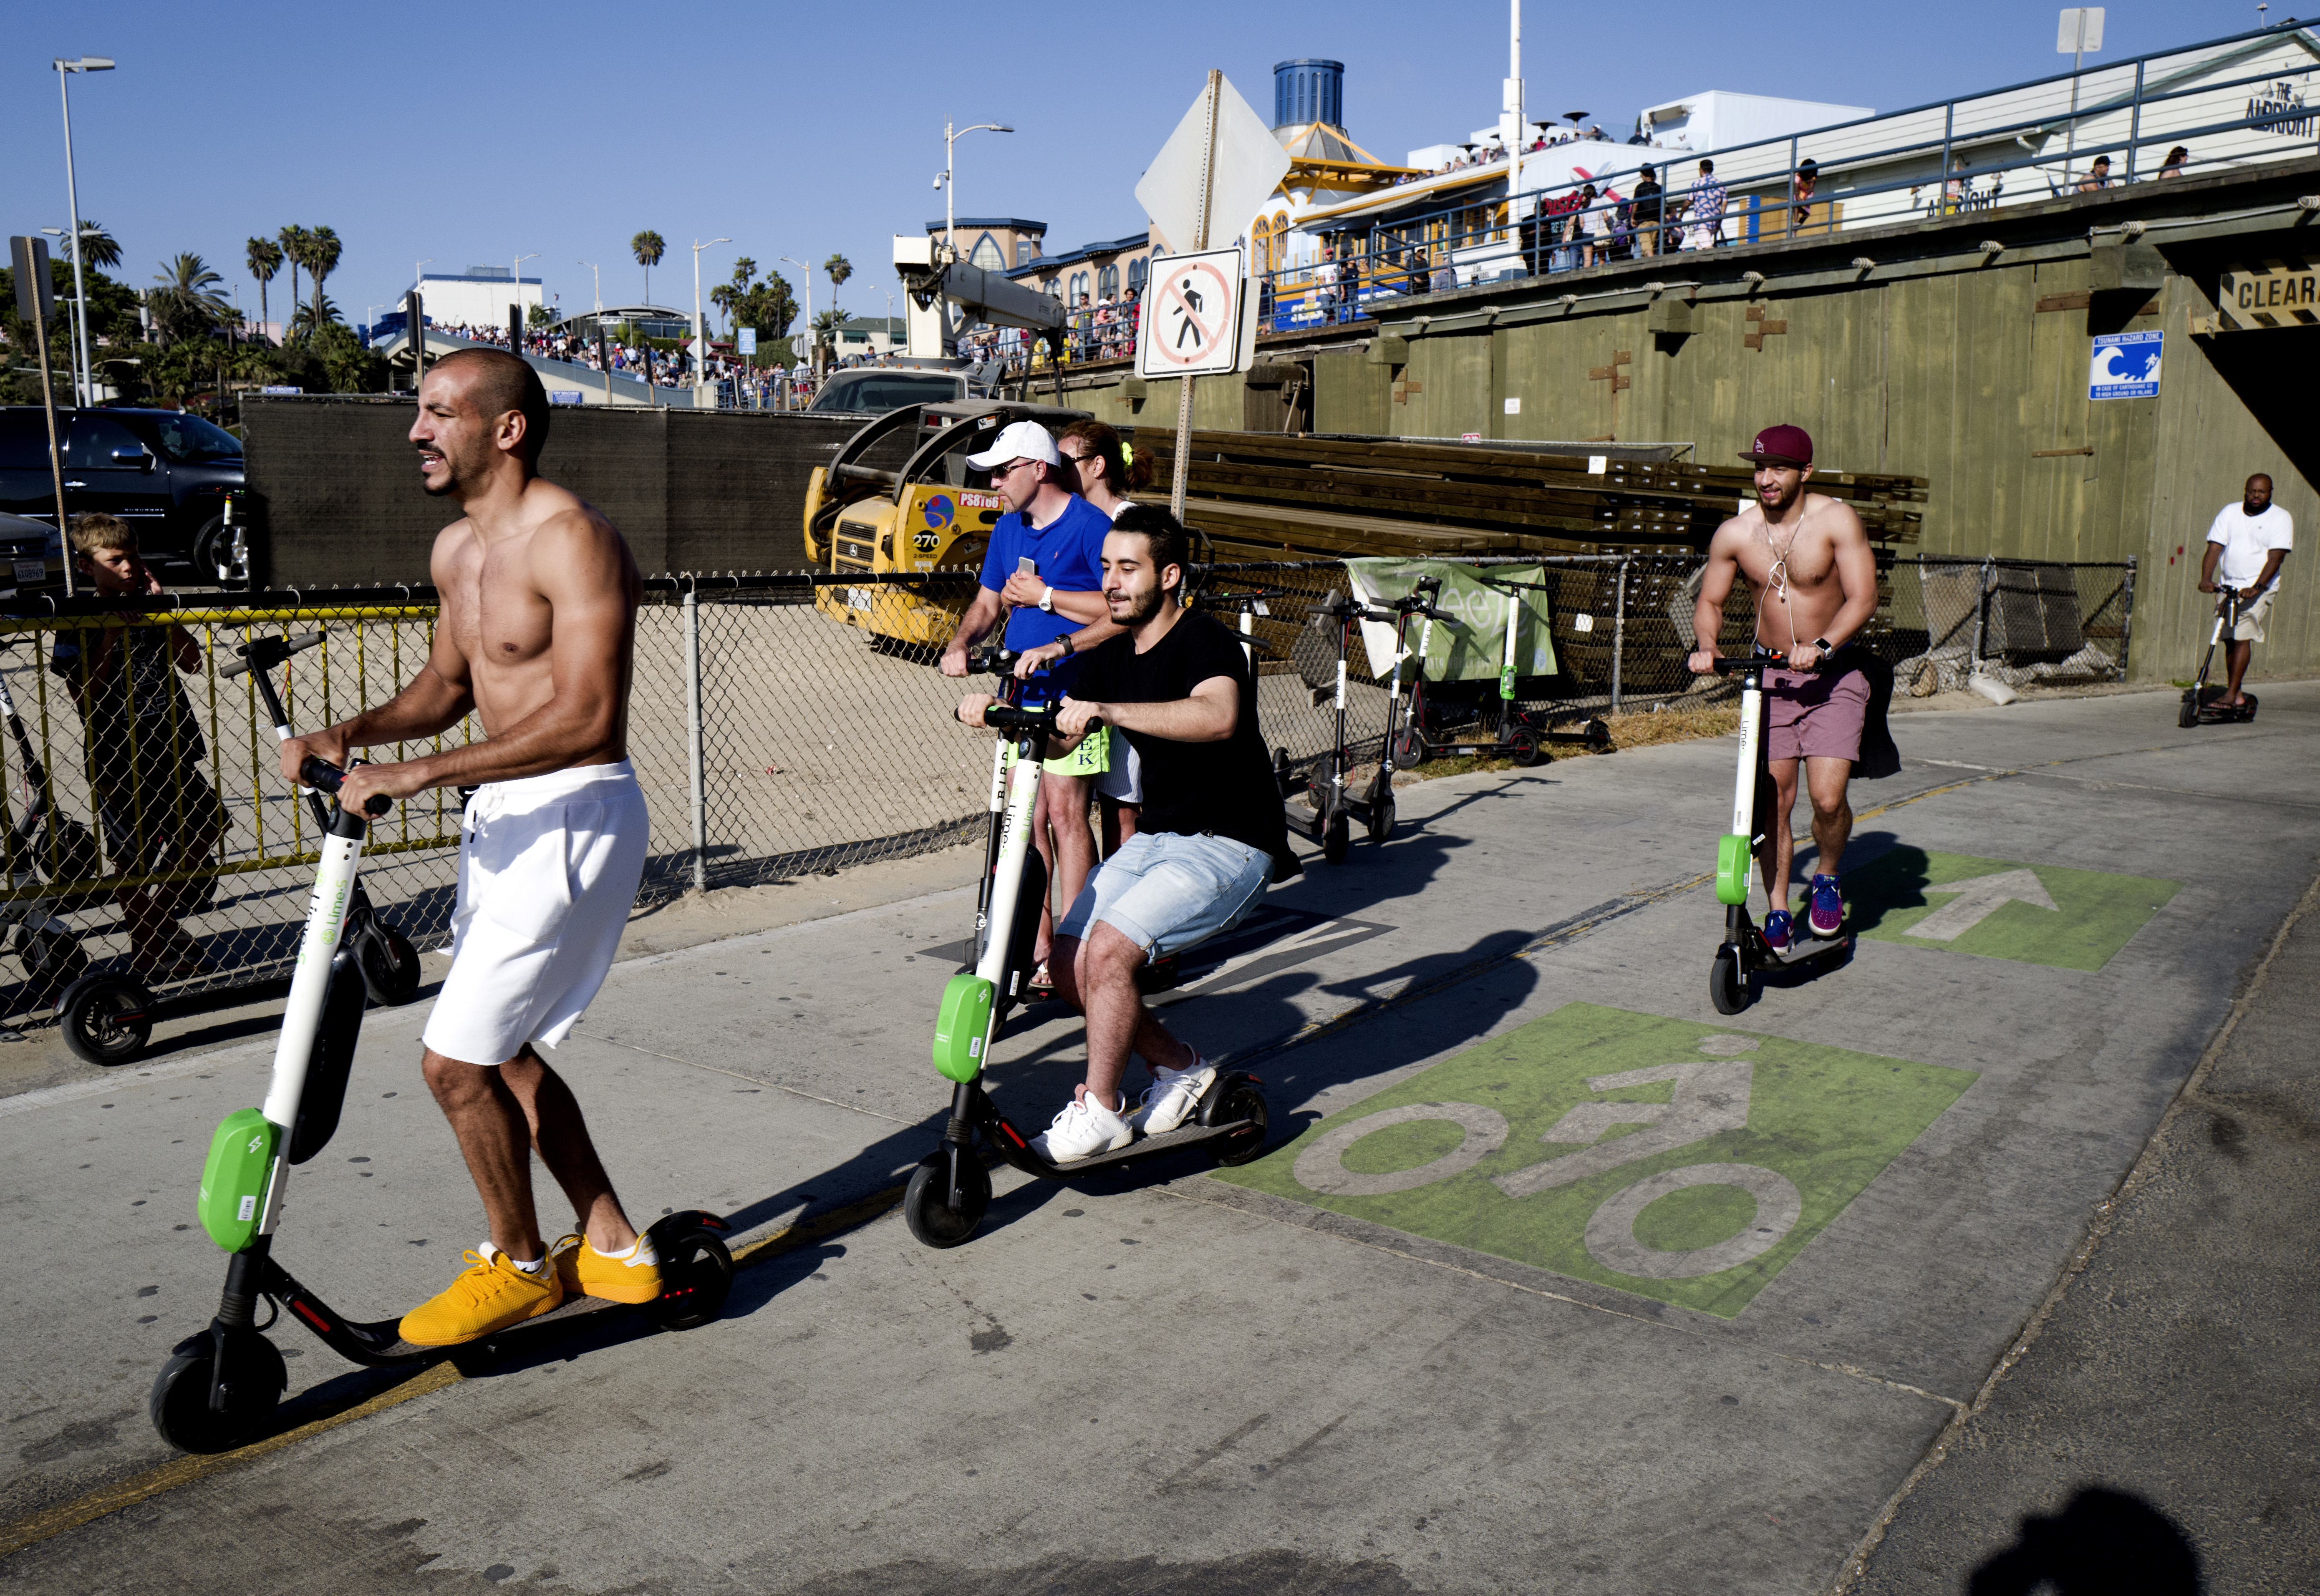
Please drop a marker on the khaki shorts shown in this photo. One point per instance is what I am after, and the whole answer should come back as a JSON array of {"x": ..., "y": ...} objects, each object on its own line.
[{"x": 2250, "y": 628}]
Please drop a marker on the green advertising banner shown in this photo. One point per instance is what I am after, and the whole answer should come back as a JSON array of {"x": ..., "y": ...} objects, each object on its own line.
[{"x": 1471, "y": 647}]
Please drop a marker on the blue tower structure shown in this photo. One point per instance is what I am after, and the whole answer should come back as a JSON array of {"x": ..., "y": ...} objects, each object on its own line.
[{"x": 1308, "y": 90}]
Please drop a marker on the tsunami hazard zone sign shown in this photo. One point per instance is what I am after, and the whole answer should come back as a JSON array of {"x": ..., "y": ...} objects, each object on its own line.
[{"x": 1193, "y": 314}]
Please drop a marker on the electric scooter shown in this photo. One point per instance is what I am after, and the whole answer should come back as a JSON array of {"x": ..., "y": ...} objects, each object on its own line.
[
  {"x": 950, "y": 1190},
  {"x": 1745, "y": 952},
  {"x": 108, "y": 1017},
  {"x": 2203, "y": 706},
  {"x": 1333, "y": 807},
  {"x": 221, "y": 1384},
  {"x": 1521, "y": 735}
]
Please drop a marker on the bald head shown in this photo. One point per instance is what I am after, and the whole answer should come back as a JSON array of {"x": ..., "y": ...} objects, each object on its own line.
[
  {"x": 2257, "y": 498},
  {"x": 496, "y": 383}
]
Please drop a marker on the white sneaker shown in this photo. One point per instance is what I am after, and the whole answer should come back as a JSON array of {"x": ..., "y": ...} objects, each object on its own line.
[
  {"x": 1174, "y": 1094},
  {"x": 1083, "y": 1129}
]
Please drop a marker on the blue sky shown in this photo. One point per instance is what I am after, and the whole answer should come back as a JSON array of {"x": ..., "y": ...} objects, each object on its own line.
[{"x": 474, "y": 134}]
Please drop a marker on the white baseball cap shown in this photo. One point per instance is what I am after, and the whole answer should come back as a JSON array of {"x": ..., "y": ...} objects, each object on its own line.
[{"x": 1019, "y": 440}]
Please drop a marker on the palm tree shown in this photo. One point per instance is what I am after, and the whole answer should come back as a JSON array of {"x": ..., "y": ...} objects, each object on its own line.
[
  {"x": 310, "y": 318},
  {"x": 840, "y": 268},
  {"x": 648, "y": 247},
  {"x": 100, "y": 248},
  {"x": 265, "y": 258},
  {"x": 322, "y": 248},
  {"x": 745, "y": 272},
  {"x": 293, "y": 251},
  {"x": 724, "y": 297},
  {"x": 187, "y": 297}
]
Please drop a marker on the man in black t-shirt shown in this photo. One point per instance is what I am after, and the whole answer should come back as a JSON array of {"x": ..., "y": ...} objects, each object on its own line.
[{"x": 1180, "y": 686}]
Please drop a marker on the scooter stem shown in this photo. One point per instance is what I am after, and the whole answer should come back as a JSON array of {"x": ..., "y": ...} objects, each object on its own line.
[
  {"x": 310, "y": 983},
  {"x": 1744, "y": 791}
]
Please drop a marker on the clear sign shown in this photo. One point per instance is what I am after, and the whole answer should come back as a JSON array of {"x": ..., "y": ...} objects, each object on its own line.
[
  {"x": 2126, "y": 366},
  {"x": 2274, "y": 294},
  {"x": 1191, "y": 316},
  {"x": 748, "y": 339}
]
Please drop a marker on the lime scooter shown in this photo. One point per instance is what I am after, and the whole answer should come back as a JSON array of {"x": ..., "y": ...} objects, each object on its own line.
[
  {"x": 221, "y": 1384},
  {"x": 1745, "y": 952},
  {"x": 2203, "y": 705},
  {"x": 108, "y": 1017},
  {"x": 1334, "y": 808},
  {"x": 1521, "y": 735},
  {"x": 950, "y": 1190}
]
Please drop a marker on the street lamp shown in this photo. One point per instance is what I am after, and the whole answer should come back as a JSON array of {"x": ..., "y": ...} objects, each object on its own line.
[
  {"x": 700, "y": 339},
  {"x": 65, "y": 69},
  {"x": 80, "y": 315},
  {"x": 950, "y": 138},
  {"x": 514, "y": 336},
  {"x": 599, "y": 278},
  {"x": 805, "y": 272}
]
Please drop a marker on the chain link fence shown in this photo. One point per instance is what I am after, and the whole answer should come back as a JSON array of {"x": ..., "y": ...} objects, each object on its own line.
[{"x": 782, "y": 727}]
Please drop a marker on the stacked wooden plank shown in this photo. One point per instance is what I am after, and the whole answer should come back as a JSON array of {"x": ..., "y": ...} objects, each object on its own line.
[{"x": 1262, "y": 496}]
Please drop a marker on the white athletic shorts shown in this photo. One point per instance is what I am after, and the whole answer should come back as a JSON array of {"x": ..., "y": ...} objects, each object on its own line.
[
  {"x": 548, "y": 870},
  {"x": 1123, "y": 782}
]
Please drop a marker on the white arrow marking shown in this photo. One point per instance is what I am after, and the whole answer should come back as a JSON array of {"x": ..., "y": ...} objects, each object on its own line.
[{"x": 1975, "y": 901}]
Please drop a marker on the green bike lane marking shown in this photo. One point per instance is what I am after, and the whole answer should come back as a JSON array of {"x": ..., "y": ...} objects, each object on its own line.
[
  {"x": 2068, "y": 919},
  {"x": 1669, "y": 1158}
]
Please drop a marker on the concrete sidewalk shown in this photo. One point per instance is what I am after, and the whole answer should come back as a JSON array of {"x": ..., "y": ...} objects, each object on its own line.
[{"x": 1412, "y": 1348}]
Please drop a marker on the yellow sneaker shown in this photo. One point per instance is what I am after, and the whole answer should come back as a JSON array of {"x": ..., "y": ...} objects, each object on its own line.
[
  {"x": 490, "y": 1295},
  {"x": 585, "y": 1272}
]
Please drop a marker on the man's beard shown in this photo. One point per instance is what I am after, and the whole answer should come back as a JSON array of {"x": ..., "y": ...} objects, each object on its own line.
[
  {"x": 1144, "y": 607},
  {"x": 452, "y": 481}
]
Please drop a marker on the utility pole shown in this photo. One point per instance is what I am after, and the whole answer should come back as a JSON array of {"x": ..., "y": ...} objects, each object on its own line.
[{"x": 701, "y": 391}]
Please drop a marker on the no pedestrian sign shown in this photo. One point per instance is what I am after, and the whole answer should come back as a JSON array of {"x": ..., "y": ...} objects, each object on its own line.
[{"x": 1193, "y": 315}]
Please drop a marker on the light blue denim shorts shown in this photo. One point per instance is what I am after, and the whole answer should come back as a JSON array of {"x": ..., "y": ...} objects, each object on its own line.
[{"x": 1166, "y": 892}]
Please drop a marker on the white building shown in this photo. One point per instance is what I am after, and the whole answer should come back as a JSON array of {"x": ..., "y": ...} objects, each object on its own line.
[{"x": 477, "y": 297}]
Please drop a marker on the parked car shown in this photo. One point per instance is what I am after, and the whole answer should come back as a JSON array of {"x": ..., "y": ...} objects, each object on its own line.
[
  {"x": 31, "y": 557},
  {"x": 167, "y": 474},
  {"x": 876, "y": 390}
]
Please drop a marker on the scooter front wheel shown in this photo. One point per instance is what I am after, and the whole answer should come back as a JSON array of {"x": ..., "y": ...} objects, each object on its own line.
[
  {"x": 1726, "y": 988},
  {"x": 180, "y": 1405},
  {"x": 107, "y": 1019},
  {"x": 2189, "y": 717},
  {"x": 1381, "y": 818},
  {"x": 926, "y": 1202},
  {"x": 1522, "y": 747},
  {"x": 390, "y": 964},
  {"x": 1408, "y": 750},
  {"x": 1338, "y": 838}
]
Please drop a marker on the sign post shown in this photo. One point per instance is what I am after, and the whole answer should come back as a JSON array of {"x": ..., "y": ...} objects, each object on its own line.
[
  {"x": 1220, "y": 162},
  {"x": 36, "y": 304},
  {"x": 2080, "y": 31}
]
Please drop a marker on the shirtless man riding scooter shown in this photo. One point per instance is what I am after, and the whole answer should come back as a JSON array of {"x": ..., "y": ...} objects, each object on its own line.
[{"x": 1807, "y": 559}]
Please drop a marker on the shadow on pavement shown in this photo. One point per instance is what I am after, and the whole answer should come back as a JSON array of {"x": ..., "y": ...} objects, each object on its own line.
[{"x": 2104, "y": 1541}]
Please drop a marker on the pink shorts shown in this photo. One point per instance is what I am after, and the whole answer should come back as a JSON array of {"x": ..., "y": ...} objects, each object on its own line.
[{"x": 1813, "y": 715}]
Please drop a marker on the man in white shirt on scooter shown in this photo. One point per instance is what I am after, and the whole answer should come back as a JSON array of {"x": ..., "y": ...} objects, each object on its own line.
[{"x": 2248, "y": 541}]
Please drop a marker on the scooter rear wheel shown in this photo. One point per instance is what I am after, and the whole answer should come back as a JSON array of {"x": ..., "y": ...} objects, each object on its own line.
[
  {"x": 107, "y": 1019},
  {"x": 696, "y": 1272},
  {"x": 926, "y": 1202},
  {"x": 1241, "y": 1102},
  {"x": 180, "y": 1405},
  {"x": 1726, "y": 988},
  {"x": 1338, "y": 838},
  {"x": 1598, "y": 737}
]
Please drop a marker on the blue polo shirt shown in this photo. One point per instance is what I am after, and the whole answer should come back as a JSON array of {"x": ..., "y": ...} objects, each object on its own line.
[{"x": 1067, "y": 555}]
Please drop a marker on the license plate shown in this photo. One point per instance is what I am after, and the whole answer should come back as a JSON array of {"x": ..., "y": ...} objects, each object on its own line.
[{"x": 30, "y": 571}]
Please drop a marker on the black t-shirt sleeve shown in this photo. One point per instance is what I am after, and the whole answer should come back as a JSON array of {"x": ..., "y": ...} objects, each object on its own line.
[{"x": 1211, "y": 653}]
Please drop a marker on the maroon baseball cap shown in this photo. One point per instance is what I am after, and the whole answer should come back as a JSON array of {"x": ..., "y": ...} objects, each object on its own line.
[{"x": 1781, "y": 446}]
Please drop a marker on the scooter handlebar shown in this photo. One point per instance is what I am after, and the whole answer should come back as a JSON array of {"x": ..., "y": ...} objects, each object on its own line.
[
  {"x": 326, "y": 777},
  {"x": 1006, "y": 717},
  {"x": 267, "y": 652},
  {"x": 1739, "y": 665}
]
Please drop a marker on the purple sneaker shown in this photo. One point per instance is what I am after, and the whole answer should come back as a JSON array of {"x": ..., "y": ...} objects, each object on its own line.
[
  {"x": 1780, "y": 931},
  {"x": 1827, "y": 916}
]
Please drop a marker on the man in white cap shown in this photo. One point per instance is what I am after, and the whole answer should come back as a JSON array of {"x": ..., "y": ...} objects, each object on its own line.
[{"x": 1057, "y": 594}]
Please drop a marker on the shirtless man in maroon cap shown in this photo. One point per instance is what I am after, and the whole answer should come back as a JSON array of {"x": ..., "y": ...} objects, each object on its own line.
[{"x": 1809, "y": 562}]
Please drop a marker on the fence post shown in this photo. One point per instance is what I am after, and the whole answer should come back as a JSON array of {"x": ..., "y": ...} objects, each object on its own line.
[
  {"x": 2126, "y": 617},
  {"x": 1619, "y": 634},
  {"x": 694, "y": 758},
  {"x": 1942, "y": 186},
  {"x": 2134, "y": 123},
  {"x": 1981, "y": 618}
]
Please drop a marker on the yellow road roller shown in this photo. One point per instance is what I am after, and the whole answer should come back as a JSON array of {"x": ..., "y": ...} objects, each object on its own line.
[{"x": 901, "y": 500}]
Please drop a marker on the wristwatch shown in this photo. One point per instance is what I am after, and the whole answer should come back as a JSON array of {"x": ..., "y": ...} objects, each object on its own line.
[
  {"x": 1047, "y": 601},
  {"x": 1824, "y": 645}
]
